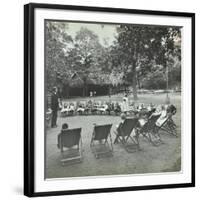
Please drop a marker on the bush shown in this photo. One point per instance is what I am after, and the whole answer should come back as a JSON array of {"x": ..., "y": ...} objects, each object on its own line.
[{"x": 155, "y": 80}]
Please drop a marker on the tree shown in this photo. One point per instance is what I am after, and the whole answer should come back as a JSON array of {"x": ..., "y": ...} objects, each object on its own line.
[
  {"x": 85, "y": 56},
  {"x": 169, "y": 50},
  {"x": 156, "y": 79},
  {"x": 57, "y": 41},
  {"x": 136, "y": 42}
]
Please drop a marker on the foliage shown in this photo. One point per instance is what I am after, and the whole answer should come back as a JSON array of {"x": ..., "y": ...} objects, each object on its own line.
[
  {"x": 85, "y": 57},
  {"x": 142, "y": 46},
  {"x": 57, "y": 40},
  {"x": 139, "y": 57}
]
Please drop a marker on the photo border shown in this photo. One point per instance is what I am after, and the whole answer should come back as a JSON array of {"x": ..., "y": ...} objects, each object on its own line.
[{"x": 29, "y": 95}]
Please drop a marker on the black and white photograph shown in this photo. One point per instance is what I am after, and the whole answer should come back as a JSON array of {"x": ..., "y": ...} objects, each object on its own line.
[
  {"x": 98, "y": 99},
  {"x": 109, "y": 102},
  {"x": 112, "y": 99}
]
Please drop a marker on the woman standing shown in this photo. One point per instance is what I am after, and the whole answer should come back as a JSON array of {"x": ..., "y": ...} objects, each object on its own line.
[{"x": 125, "y": 104}]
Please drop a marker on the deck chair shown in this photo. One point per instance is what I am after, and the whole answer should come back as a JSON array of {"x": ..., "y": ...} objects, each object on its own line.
[
  {"x": 168, "y": 125},
  {"x": 117, "y": 109},
  {"x": 71, "y": 146},
  {"x": 64, "y": 112},
  {"x": 150, "y": 131},
  {"x": 123, "y": 134},
  {"x": 101, "y": 142},
  {"x": 75, "y": 105}
]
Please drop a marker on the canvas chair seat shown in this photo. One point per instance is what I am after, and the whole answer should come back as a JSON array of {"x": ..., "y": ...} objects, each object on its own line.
[
  {"x": 168, "y": 126},
  {"x": 70, "y": 144},
  {"x": 123, "y": 134},
  {"x": 101, "y": 142},
  {"x": 80, "y": 110},
  {"x": 150, "y": 131}
]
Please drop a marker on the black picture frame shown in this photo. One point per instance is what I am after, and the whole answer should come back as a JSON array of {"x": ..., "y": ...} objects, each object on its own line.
[{"x": 29, "y": 95}]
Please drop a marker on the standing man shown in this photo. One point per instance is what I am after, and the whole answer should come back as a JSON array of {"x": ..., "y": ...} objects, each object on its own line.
[{"x": 54, "y": 107}]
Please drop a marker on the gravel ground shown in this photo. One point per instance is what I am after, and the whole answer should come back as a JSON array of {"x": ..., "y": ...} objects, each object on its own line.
[{"x": 151, "y": 159}]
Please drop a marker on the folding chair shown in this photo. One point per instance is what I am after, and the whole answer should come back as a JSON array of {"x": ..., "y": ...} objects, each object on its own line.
[
  {"x": 80, "y": 110},
  {"x": 150, "y": 131},
  {"x": 70, "y": 144},
  {"x": 73, "y": 108},
  {"x": 75, "y": 104},
  {"x": 99, "y": 143},
  {"x": 83, "y": 103},
  {"x": 64, "y": 109},
  {"x": 123, "y": 134},
  {"x": 81, "y": 106},
  {"x": 117, "y": 109},
  {"x": 168, "y": 125},
  {"x": 102, "y": 109},
  {"x": 93, "y": 109}
]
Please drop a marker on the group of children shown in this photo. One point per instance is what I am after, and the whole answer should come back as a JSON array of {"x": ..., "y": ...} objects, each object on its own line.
[
  {"x": 90, "y": 108},
  {"x": 143, "y": 115},
  {"x": 163, "y": 111}
]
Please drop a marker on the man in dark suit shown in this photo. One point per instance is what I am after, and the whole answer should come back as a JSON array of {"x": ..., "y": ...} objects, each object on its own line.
[{"x": 54, "y": 107}]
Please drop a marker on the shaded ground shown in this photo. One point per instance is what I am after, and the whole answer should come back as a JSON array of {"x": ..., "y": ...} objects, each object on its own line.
[{"x": 150, "y": 159}]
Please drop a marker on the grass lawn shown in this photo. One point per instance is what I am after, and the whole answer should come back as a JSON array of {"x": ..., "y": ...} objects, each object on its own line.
[{"x": 164, "y": 158}]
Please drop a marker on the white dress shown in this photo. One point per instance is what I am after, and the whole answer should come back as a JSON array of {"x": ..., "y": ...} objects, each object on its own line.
[
  {"x": 103, "y": 108},
  {"x": 162, "y": 118},
  {"x": 125, "y": 105}
]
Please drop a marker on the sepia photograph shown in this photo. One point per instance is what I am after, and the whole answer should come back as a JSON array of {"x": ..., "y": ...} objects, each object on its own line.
[{"x": 112, "y": 99}]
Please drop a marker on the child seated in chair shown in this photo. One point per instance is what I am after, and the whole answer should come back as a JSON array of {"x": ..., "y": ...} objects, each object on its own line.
[
  {"x": 71, "y": 109},
  {"x": 171, "y": 109},
  {"x": 118, "y": 126},
  {"x": 151, "y": 109},
  {"x": 117, "y": 108},
  {"x": 64, "y": 127},
  {"x": 163, "y": 116},
  {"x": 103, "y": 108},
  {"x": 64, "y": 109},
  {"x": 109, "y": 108},
  {"x": 80, "y": 109},
  {"x": 142, "y": 118}
]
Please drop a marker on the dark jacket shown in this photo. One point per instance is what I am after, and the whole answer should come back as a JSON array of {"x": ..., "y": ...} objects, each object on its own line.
[
  {"x": 54, "y": 102},
  {"x": 171, "y": 109}
]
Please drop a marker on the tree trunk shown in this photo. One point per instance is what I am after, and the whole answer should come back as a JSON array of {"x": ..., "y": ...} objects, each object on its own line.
[
  {"x": 67, "y": 90},
  {"x": 134, "y": 83},
  {"x": 109, "y": 90},
  {"x": 138, "y": 82},
  {"x": 125, "y": 91},
  {"x": 84, "y": 89}
]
